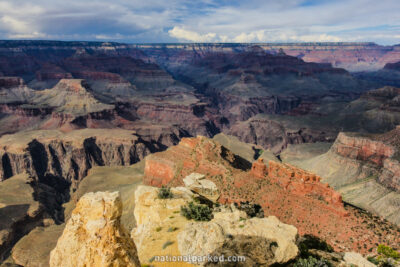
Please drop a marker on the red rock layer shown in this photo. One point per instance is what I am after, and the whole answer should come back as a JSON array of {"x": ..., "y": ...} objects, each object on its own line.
[
  {"x": 360, "y": 148},
  {"x": 295, "y": 196}
]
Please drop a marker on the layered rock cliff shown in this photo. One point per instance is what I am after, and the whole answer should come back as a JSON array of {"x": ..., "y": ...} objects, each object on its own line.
[
  {"x": 365, "y": 169},
  {"x": 45, "y": 154},
  {"x": 14, "y": 90},
  {"x": 351, "y": 56}
]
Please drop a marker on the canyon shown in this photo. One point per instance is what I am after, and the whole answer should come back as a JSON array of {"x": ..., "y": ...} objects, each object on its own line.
[
  {"x": 282, "y": 188},
  {"x": 301, "y": 136}
]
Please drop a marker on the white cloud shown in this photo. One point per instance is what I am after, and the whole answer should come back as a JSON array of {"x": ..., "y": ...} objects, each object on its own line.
[
  {"x": 33, "y": 35},
  {"x": 186, "y": 35},
  {"x": 15, "y": 25},
  {"x": 202, "y": 20},
  {"x": 251, "y": 37}
]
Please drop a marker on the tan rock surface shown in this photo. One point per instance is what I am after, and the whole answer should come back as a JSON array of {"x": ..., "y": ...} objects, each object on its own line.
[
  {"x": 158, "y": 223},
  {"x": 230, "y": 228},
  {"x": 197, "y": 183},
  {"x": 94, "y": 236},
  {"x": 357, "y": 260}
]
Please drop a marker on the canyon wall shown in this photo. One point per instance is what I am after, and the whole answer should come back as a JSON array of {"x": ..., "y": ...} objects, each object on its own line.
[
  {"x": 69, "y": 156},
  {"x": 351, "y": 56},
  {"x": 362, "y": 148}
]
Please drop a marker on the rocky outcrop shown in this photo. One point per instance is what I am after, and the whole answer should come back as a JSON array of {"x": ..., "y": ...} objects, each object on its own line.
[
  {"x": 231, "y": 232},
  {"x": 352, "y": 258},
  {"x": 158, "y": 221},
  {"x": 294, "y": 196},
  {"x": 259, "y": 169},
  {"x": 197, "y": 183},
  {"x": 94, "y": 236},
  {"x": 263, "y": 242},
  {"x": 70, "y": 96}
]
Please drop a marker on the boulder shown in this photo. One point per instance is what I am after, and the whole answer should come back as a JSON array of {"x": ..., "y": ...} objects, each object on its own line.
[
  {"x": 263, "y": 241},
  {"x": 94, "y": 236},
  {"x": 353, "y": 258},
  {"x": 198, "y": 183}
]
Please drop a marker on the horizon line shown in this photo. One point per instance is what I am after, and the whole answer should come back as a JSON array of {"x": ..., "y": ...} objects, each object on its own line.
[{"x": 197, "y": 43}]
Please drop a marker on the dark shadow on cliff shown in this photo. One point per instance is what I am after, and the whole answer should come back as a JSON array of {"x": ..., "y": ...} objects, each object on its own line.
[
  {"x": 50, "y": 190},
  {"x": 236, "y": 161},
  {"x": 6, "y": 164},
  {"x": 18, "y": 223}
]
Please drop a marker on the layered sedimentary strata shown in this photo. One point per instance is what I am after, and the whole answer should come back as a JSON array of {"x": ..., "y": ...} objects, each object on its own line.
[
  {"x": 70, "y": 96},
  {"x": 275, "y": 135},
  {"x": 70, "y": 155},
  {"x": 94, "y": 236},
  {"x": 14, "y": 90},
  {"x": 371, "y": 150},
  {"x": 365, "y": 169},
  {"x": 351, "y": 56}
]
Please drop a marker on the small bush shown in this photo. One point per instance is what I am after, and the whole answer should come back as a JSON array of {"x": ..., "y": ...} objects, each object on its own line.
[
  {"x": 158, "y": 229},
  {"x": 197, "y": 212},
  {"x": 311, "y": 262},
  {"x": 388, "y": 252},
  {"x": 373, "y": 260},
  {"x": 165, "y": 193}
]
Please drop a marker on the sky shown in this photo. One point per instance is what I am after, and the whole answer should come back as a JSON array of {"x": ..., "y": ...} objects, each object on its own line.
[{"x": 164, "y": 21}]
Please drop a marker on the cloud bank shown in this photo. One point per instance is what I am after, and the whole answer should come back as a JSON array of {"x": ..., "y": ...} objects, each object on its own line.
[{"x": 202, "y": 20}]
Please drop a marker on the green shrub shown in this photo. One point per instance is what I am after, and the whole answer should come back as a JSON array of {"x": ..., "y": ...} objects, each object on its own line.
[
  {"x": 311, "y": 262},
  {"x": 197, "y": 212},
  {"x": 373, "y": 260},
  {"x": 388, "y": 252},
  {"x": 165, "y": 193}
]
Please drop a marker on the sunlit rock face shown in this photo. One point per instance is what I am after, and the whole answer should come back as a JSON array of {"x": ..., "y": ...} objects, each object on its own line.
[{"x": 94, "y": 236}]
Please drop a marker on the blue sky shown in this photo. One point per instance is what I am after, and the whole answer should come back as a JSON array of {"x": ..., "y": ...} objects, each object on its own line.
[{"x": 143, "y": 21}]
